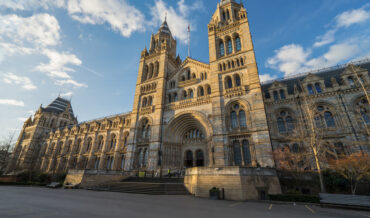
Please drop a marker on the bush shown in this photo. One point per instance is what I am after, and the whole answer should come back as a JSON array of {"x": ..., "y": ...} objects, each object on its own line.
[{"x": 295, "y": 198}]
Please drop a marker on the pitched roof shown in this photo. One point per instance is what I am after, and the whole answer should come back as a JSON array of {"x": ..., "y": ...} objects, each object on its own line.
[
  {"x": 326, "y": 75},
  {"x": 59, "y": 105},
  {"x": 164, "y": 28}
]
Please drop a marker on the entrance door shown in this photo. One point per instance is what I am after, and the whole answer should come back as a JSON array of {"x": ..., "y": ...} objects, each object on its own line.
[
  {"x": 188, "y": 159},
  {"x": 200, "y": 158}
]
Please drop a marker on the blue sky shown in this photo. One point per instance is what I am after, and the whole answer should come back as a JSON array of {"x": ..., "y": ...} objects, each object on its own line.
[{"x": 89, "y": 50}]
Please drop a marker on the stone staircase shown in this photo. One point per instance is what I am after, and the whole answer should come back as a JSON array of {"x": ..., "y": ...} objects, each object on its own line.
[{"x": 151, "y": 186}]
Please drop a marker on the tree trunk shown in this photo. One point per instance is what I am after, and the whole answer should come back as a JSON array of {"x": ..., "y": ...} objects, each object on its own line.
[{"x": 322, "y": 187}]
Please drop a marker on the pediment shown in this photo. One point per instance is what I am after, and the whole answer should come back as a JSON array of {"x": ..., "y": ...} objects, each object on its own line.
[{"x": 311, "y": 78}]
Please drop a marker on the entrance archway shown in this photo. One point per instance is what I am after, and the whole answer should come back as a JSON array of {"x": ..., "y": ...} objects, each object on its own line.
[{"x": 186, "y": 141}]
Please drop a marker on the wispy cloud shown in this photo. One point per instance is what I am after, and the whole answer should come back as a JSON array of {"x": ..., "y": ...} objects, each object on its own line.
[
  {"x": 294, "y": 58},
  {"x": 66, "y": 94},
  {"x": 22, "y": 81},
  {"x": 12, "y": 102},
  {"x": 266, "y": 77},
  {"x": 178, "y": 18},
  {"x": 70, "y": 82}
]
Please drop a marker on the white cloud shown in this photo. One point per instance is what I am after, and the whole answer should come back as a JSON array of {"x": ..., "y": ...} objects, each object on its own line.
[
  {"x": 289, "y": 58},
  {"x": 22, "y": 5},
  {"x": 12, "y": 102},
  {"x": 70, "y": 82},
  {"x": 293, "y": 59},
  {"x": 22, "y": 119},
  {"x": 37, "y": 30},
  {"x": 119, "y": 14},
  {"x": 351, "y": 17},
  {"x": 266, "y": 77},
  {"x": 23, "y": 81},
  {"x": 325, "y": 39},
  {"x": 56, "y": 68},
  {"x": 67, "y": 94},
  {"x": 177, "y": 19}
]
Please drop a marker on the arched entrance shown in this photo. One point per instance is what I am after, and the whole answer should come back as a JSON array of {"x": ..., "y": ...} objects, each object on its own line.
[{"x": 186, "y": 141}]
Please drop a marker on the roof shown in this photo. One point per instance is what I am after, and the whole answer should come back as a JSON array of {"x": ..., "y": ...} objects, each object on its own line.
[
  {"x": 59, "y": 105},
  {"x": 164, "y": 28},
  {"x": 325, "y": 74}
]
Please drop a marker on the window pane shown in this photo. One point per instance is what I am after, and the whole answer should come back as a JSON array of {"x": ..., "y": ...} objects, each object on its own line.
[
  {"x": 238, "y": 44},
  {"x": 276, "y": 97},
  {"x": 282, "y": 94},
  {"x": 237, "y": 80},
  {"x": 209, "y": 90},
  {"x": 290, "y": 124},
  {"x": 242, "y": 119},
  {"x": 310, "y": 89},
  {"x": 351, "y": 81},
  {"x": 229, "y": 82},
  {"x": 222, "y": 49},
  {"x": 281, "y": 125},
  {"x": 234, "y": 122},
  {"x": 247, "y": 152},
  {"x": 318, "y": 88},
  {"x": 229, "y": 47},
  {"x": 329, "y": 119},
  {"x": 237, "y": 153},
  {"x": 318, "y": 122}
]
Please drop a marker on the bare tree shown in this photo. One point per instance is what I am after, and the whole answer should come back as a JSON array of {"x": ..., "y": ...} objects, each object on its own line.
[{"x": 6, "y": 146}]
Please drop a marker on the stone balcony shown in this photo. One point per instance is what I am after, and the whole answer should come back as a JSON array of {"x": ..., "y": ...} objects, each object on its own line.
[
  {"x": 147, "y": 110},
  {"x": 188, "y": 82},
  {"x": 192, "y": 102},
  {"x": 236, "y": 91}
]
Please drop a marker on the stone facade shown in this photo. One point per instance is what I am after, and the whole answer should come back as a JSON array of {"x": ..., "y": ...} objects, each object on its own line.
[{"x": 189, "y": 113}]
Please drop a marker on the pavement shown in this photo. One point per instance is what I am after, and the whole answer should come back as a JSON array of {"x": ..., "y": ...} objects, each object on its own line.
[{"x": 24, "y": 202}]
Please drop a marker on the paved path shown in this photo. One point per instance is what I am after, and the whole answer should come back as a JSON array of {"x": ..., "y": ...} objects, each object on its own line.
[{"x": 27, "y": 202}]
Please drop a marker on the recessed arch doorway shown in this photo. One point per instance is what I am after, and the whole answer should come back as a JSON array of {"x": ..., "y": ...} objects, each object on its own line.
[{"x": 187, "y": 141}]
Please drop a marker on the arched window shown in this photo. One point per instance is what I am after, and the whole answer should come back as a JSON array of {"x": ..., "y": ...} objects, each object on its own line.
[
  {"x": 242, "y": 119},
  {"x": 191, "y": 94},
  {"x": 188, "y": 74},
  {"x": 246, "y": 152},
  {"x": 113, "y": 142},
  {"x": 145, "y": 129},
  {"x": 122, "y": 162},
  {"x": 329, "y": 119},
  {"x": 351, "y": 82},
  {"x": 193, "y": 76},
  {"x": 295, "y": 148},
  {"x": 229, "y": 82},
  {"x": 150, "y": 101},
  {"x": 201, "y": 91},
  {"x": 285, "y": 122},
  {"x": 233, "y": 118},
  {"x": 238, "y": 117},
  {"x": 364, "y": 109},
  {"x": 237, "y": 63},
  {"x": 169, "y": 98},
  {"x": 175, "y": 97},
  {"x": 276, "y": 96},
  {"x": 282, "y": 94},
  {"x": 232, "y": 64},
  {"x": 228, "y": 14},
  {"x": 100, "y": 143},
  {"x": 145, "y": 157},
  {"x": 97, "y": 162},
  {"x": 222, "y": 48},
  {"x": 145, "y": 73},
  {"x": 183, "y": 78},
  {"x": 156, "y": 69},
  {"x": 184, "y": 95},
  {"x": 151, "y": 69},
  {"x": 205, "y": 75},
  {"x": 238, "y": 44},
  {"x": 89, "y": 144},
  {"x": 229, "y": 46},
  {"x": 318, "y": 87},
  {"x": 237, "y": 80},
  {"x": 200, "y": 158},
  {"x": 281, "y": 125},
  {"x": 289, "y": 123},
  {"x": 310, "y": 89},
  {"x": 241, "y": 62},
  {"x": 237, "y": 153},
  {"x": 220, "y": 67},
  {"x": 145, "y": 102},
  {"x": 202, "y": 76},
  {"x": 209, "y": 90}
]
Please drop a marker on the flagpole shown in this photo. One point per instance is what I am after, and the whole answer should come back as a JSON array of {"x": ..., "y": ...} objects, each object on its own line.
[{"x": 189, "y": 40}]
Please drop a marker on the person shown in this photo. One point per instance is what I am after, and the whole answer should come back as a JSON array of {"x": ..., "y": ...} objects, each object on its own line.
[{"x": 169, "y": 172}]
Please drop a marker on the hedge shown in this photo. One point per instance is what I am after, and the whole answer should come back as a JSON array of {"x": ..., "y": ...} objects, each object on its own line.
[{"x": 295, "y": 198}]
